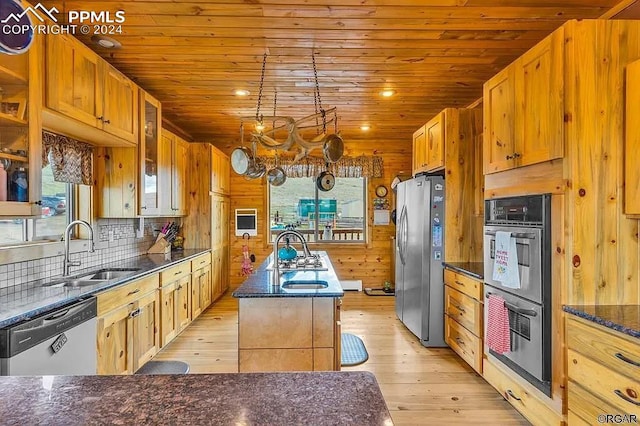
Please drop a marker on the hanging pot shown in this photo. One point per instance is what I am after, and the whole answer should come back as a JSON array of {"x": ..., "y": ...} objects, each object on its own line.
[
  {"x": 241, "y": 158},
  {"x": 276, "y": 176},
  {"x": 256, "y": 168},
  {"x": 333, "y": 148},
  {"x": 325, "y": 181}
]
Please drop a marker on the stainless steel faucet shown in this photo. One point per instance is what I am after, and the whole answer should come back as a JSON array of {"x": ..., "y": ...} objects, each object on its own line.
[
  {"x": 276, "y": 267},
  {"x": 68, "y": 262}
]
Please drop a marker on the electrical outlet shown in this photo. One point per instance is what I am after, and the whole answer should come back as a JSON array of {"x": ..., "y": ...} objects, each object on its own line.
[{"x": 111, "y": 238}]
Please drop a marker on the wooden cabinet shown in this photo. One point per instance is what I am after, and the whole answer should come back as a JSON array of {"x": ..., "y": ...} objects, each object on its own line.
[
  {"x": 632, "y": 141},
  {"x": 149, "y": 154},
  {"x": 202, "y": 284},
  {"x": 287, "y": 334},
  {"x": 220, "y": 172},
  {"x": 21, "y": 129},
  {"x": 464, "y": 331},
  {"x": 524, "y": 108},
  {"x": 175, "y": 301},
  {"x": 86, "y": 97},
  {"x": 420, "y": 158},
  {"x": 603, "y": 371},
  {"x": 116, "y": 190},
  {"x": 179, "y": 152},
  {"x": 127, "y": 331},
  {"x": 435, "y": 134}
]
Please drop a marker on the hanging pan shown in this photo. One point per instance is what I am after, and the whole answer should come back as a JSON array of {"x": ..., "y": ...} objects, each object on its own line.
[
  {"x": 240, "y": 160},
  {"x": 325, "y": 181},
  {"x": 333, "y": 148},
  {"x": 276, "y": 175}
]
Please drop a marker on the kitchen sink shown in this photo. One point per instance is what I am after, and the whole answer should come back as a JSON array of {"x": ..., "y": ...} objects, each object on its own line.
[
  {"x": 76, "y": 283},
  {"x": 112, "y": 273},
  {"x": 305, "y": 285}
]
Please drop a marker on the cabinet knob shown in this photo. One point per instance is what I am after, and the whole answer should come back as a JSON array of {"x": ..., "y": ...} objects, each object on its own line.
[
  {"x": 101, "y": 118},
  {"x": 514, "y": 156},
  {"x": 106, "y": 121}
]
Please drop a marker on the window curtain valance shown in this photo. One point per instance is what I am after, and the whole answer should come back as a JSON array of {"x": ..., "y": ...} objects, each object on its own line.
[
  {"x": 71, "y": 160},
  {"x": 347, "y": 167}
]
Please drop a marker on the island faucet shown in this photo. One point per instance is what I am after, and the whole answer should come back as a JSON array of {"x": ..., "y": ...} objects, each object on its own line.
[
  {"x": 68, "y": 262},
  {"x": 276, "y": 267}
]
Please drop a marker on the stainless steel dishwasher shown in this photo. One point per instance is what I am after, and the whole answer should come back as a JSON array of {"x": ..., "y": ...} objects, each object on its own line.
[{"x": 62, "y": 342}]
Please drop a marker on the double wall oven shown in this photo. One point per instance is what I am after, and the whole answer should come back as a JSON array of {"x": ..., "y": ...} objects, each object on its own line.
[{"x": 529, "y": 306}]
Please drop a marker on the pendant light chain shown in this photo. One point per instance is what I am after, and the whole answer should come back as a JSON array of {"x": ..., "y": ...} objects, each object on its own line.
[
  {"x": 315, "y": 74},
  {"x": 264, "y": 64}
]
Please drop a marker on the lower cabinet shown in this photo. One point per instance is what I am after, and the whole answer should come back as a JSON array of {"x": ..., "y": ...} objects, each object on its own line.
[
  {"x": 288, "y": 334},
  {"x": 175, "y": 302},
  {"x": 201, "y": 284},
  {"x": 127, "y": 333}
]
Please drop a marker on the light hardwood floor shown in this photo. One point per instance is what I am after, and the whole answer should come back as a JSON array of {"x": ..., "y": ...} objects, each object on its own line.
[{"x": 421, "y": 386}]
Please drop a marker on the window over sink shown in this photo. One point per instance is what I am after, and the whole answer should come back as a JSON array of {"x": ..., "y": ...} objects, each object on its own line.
[{"x": 336, "y": 216}]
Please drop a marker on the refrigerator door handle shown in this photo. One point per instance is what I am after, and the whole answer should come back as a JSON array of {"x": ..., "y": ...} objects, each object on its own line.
[
  {"x": 405, "y": 232},
  {"x": 402, "y": 238}
]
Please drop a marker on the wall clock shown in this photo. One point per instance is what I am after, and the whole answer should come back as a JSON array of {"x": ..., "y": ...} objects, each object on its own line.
[{"x": 381, "y": 191}]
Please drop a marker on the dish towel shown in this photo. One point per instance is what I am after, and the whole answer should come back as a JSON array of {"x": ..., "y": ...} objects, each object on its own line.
[
  {"x": 505, "y": 264},
  {"x": 498, "y": 333}
]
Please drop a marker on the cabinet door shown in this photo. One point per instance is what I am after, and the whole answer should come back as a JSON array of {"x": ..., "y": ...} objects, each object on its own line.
[
  {"x": 183, "y": 302},
  {"x": 499, "y": 115},
  {"x": 632, "y": 141},
  {"x": 169, "y": 325},
  {"x": 115, "y": 342},
  {"x": 196, "y": 296},
  {"x": 120, "y": 112},
  {"x": 540, "y": 112},
  {"x": 167, "y": 141},
  {"x": 225, "y": 174},
  {"x": 115, "y": 177},
  {"x": 419, "y": 150},
  {"x": 179, "y": 152},
  {"x": 146, "y": 342},
  {"x": 216, "y": 272},
  {"x": 73, "y": 79},
  {"x": 205, "y": 287},
  {"x": 149, "y": 152},
  {"x": 224, "y": 269},
  {"x": 435, "y": 133}
]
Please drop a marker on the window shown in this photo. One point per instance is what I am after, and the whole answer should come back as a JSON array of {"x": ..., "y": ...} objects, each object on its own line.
[
  {"x": 333, "y": 216},
  {"x": 56, "y": 213}
]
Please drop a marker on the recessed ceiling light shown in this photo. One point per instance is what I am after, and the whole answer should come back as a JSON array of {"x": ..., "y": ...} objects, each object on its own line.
[
  {"x": 106, "y": 42},
  {"x": 241, "y": 92},
  {"x": 365, "y": 127},
  {"x": 387, "y": 93}
]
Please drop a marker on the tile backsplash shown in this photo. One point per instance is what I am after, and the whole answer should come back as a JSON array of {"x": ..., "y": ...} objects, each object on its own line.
[{"x": 115, "y": 239}]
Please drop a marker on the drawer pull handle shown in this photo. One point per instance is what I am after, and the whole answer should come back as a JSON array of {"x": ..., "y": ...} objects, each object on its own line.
[
  {"x": 135, "y": 313},
  {"x": 460, "y": 341},
  {"x": 177, "y": 273},
  {"x": 626, "y": 398},
  {"x": 133, "y": 292},
  {"x": 460, "y": 308},
  {"x": 513, "y": 395},
  {"x": 458, "y": 282},
  {"x": 179, "y": 287},
  {"x": 627, "y": 360}
]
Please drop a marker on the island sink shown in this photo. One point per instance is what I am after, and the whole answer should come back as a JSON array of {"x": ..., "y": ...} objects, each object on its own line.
[{"x": 305, "y": 285}]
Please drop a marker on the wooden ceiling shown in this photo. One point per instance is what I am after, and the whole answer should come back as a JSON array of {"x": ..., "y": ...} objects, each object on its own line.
[{"x": 434, "y": 53}]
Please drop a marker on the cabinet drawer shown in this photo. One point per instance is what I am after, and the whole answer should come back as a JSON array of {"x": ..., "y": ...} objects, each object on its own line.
[
  {"x": 617, "y": 353},
  {"x": 585, "y": 406},
  {"x": 524, "y": 398},
  {"x": 465, "y": 344},
  {"x": 125, "y": 294},
  {"x": 464, "y": 284},
  {"x": 201, "y": 261},
  {"x": 612, "y": 387},
  {"x": 465, "y": 310},
  {"x": 174, "y": 273}
]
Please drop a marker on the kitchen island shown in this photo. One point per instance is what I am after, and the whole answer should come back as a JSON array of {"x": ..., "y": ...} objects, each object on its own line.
[
  {"x": 289, "y": 329},
  {"x": 328, "y": 398}
]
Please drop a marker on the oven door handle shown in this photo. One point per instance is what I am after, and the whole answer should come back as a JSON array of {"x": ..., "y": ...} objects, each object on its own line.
[
  {"x": 514, "y": 308},
  {"x": 524, "y": 236}
]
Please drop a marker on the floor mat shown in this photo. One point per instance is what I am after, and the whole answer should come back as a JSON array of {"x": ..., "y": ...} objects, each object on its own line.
[
  {"x": 353, "y": 351},
  {"x": 164, "y": 367},
  {"x": 377, "y": 292}
]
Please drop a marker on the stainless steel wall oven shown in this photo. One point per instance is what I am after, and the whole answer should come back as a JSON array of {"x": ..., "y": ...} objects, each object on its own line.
[{"x": 528, "y": 219}]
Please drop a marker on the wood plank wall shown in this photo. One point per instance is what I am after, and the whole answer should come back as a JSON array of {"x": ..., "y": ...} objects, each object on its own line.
[{"x": 370, "y": 263}]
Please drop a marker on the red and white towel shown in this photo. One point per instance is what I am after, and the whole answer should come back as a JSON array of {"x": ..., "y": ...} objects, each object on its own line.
[{"x": 498, "y": 335}]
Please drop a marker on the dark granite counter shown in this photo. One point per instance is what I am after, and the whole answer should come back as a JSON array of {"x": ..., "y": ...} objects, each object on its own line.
[
  {"x": 328, "y": 398},
  {"x": 259, "y": 283},
  {"x": 622, "y": 318},
  {"x": 473, "y": 269},
  {"x": 33, "y": 298}
]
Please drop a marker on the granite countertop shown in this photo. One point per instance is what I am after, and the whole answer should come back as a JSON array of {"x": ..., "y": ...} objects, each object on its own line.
[
  {"x": 34, "y": 298},
  {"x": 622, "y": 318},
  {"x": 473, "y": 269},
  {"x": 319, "y": 398},
  {"x": 259, "y": 283}
]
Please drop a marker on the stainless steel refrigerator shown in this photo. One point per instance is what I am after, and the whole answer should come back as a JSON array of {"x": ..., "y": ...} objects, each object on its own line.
[{"x": 419, "y": 255}]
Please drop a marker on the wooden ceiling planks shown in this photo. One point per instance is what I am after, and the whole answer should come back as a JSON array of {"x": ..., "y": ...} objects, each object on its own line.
[{"x": 434, "y": 53}]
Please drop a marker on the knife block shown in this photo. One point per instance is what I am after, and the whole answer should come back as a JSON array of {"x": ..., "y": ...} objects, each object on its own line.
[{"x": 160, "y": 246}]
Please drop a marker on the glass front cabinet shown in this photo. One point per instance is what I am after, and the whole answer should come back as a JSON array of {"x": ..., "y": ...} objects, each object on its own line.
[
  {"x": 150, "y": 123},
  {"x": 20, "y": 132}
]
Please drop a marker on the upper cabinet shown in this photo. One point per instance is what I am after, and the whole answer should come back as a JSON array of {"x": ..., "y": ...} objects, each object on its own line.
[
  {"x": 20, "y": 132},
  {"x": 419, "y": 151},
  {"x": 173, "y": 174},
  {"x": 87, "y": 98},
  {"x": 632, "y": 141},
  {"x": 149, "y": 149},
  {"x": 220, "y": 172},
  {"x": 523, "y": 124}
]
